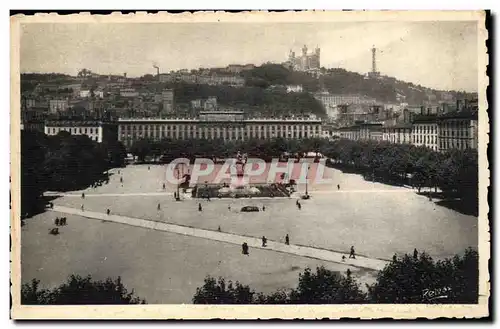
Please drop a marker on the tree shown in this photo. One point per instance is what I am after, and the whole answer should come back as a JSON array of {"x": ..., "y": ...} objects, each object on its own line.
[
  {"x": 79, "y": 291},
  {"x": 218, "y": 292},
  {"x": 116, "y": 153},
  {"x": 141, "y": 149},
  {"x": 322, "y": 287},
  {"x": 60, "y": 163},
  {"x": 33, "y": 181},
  {"x": 419, "y": 279},
  {"x": 326, "y": 287}
]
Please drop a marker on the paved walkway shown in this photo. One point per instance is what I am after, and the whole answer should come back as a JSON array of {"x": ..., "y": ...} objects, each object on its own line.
[
  {"x": 90, "y": 194},
  {"x": 312, "y": 192},
  {"x": 310, "y": 252}
]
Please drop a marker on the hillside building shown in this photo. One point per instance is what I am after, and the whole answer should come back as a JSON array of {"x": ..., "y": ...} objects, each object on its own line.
[
  {"x": 307, "y": 62},
  {"x": 168, "y": 101},
  {"x": 58, "y": 105}
]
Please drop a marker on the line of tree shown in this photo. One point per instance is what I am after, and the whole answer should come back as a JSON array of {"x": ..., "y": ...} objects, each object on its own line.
[
  {"x": 410, "y": 279},
  {"x": 79, "y": 290},
  {"x": 454, "y": 172},
  {"x": 61, "y": 163},
  {"x": 189, "y": 148}
]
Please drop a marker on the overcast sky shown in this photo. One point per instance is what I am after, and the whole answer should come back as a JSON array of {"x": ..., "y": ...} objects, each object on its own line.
[{"x": 440, "y": 55}]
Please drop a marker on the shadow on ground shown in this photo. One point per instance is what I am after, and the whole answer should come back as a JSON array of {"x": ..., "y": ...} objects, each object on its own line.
[
  {"x": 38, "y": 208},
  {"x": 466, "y": 207}
]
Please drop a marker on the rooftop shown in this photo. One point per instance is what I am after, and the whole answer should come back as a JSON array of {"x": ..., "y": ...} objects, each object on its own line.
[{"x": 459, "y": 115}]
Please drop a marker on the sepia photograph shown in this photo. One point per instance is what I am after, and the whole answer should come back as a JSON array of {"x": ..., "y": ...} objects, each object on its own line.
[{"x": 249, "y": 165}]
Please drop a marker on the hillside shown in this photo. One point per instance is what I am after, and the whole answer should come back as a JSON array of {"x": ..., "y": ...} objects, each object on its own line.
[
  {"x": 255, "y": 100},
  {"x": 341, "y": 81}
]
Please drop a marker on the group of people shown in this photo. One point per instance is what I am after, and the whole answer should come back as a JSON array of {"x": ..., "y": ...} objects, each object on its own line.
[
  {"x": 244, "y": 246},
  {"x": 99, "y": 183},
  {"x": 59, "y": 222}
]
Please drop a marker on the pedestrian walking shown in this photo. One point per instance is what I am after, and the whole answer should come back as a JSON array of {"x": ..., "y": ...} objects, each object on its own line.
[
  {"x": 149, "y": 168},
  {"x": 199, "y": 207},
  {"x": 57, "y": 221},
  {"x": 121, "y": 180},
  {"x": 229, "y": 208},
  {"x": 158, "y": 206},
  {"x": 338, "y": 186},
  {"x": 263, "y": 208},
  {"x": 343, "y": 258},
  {"x": 83, "y": 195},
  {"x": 62, "y": 221},
  {"x": 163, "y": 186},
  {"x": 299, "y": 205},
  {"x": 264, "y": 241},
  {"x": 352, "y": 254},
  {"x": 244, "y": 248},
  {"x": 287, "y": 240},
  {"x": 82, "y": 207},
  {"x": 108, "y": 211},
  {"x": 218, "y": 229}
]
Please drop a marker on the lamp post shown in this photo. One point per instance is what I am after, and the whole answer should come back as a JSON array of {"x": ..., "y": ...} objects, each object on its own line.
[
  {"x": 177, "y": 197},
  {"x": 307, "y": 178}
]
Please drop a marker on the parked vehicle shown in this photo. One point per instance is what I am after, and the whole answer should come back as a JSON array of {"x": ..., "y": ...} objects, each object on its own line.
[{"x": 250, "y": 209}]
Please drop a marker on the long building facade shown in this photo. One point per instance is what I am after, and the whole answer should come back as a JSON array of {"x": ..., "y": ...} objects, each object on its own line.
[
  {"x": 96, "y": 130},
  {"x": 458, "y": 131},
  {"x": 454, "y": 130},
  {"x": 227, "y": 126},
  {"x": 425, "y": 132}
]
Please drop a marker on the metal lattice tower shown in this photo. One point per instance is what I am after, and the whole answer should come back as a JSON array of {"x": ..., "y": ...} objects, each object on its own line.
[{"x": 374, "y": 60}]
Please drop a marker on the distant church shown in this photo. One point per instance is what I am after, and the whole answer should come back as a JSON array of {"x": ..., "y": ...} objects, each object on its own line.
[{"x": 306, "y": 62}]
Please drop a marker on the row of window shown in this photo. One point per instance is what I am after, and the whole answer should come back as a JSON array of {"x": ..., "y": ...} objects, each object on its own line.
[
  {"x": 454, "y": 144},
  {"x": 182, "y": 127},
  {"x": 80, "y": 130},
  {"x": 426, "y": 129},
  {"x": 213, "y": 135},
  {"x": 457, "y": 124},
  {"x": 76, "y": 131},
  {"x": 454, "y": 132},
  {"x": 426, "y": 139}
]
